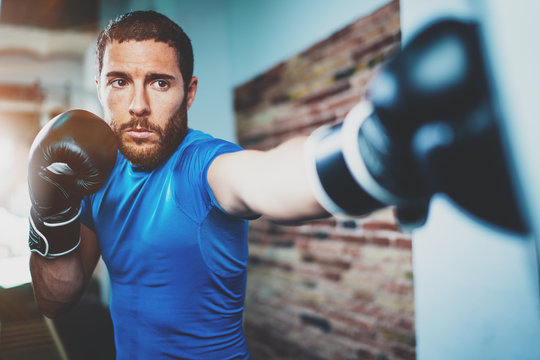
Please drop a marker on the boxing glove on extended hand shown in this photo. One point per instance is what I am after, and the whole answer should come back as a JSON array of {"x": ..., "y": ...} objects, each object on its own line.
[
  {"x": 428, "y": 125},
  {"x": 437, "y": 77},
  {"x": 71, "y": 157},
  {"x": 359, "y": 165}
]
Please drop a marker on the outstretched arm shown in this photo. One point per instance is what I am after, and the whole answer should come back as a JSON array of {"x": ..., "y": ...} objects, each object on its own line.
[{"x": 272, "y": 183}]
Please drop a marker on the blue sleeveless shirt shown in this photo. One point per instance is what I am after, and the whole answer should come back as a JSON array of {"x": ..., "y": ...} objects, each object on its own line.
[{"x": 177, "y": 262}]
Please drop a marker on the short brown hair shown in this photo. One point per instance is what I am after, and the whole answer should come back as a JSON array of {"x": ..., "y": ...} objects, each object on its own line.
[{"x": 148, "y": 25}]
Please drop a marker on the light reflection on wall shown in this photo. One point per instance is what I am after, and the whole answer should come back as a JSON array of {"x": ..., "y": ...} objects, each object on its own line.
[
  {"x": 17, "y": 132},
  {"x": 6, "y": 149},
  {"x": 14, "y": 202},
  {"x": 41, "y": 75}
]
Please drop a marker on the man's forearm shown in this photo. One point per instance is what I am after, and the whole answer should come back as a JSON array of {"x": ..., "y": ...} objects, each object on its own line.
[
  {"x": 289, "y": 194},
  {"x": 58, "y": 284},
  {"x": 271, "y": 183}
]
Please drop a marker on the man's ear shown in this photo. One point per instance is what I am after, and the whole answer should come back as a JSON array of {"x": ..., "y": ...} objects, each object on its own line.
[
  {"x": 192, "y": 90},
  {"x": 97, "y": 89}
]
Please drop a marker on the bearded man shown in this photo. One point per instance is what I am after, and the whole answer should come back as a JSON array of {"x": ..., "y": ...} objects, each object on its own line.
[{"x": 170, "y": 216}]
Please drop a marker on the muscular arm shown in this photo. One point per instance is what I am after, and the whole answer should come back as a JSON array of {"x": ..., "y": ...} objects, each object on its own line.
[
  {"x": 272, "y": 183},
  {"x": 59, "y": 283}
]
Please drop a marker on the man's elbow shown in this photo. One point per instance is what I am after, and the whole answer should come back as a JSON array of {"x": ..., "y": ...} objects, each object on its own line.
[
  {"x": 53, "y": 309},
  {"x": 56, "y": 304},
  {"x": 293, "y": 215}
]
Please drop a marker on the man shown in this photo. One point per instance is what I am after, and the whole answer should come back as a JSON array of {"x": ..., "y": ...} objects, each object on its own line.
[{"x": 170, "y": 220}]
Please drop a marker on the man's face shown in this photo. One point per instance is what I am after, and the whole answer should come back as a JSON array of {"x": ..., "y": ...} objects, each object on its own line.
[{"x": 142, "y": 93}]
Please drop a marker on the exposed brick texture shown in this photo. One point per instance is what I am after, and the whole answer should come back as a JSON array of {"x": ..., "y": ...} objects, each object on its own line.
[
  {"x": 13, "y": 92},
  {"x": 339, "y": 288}
]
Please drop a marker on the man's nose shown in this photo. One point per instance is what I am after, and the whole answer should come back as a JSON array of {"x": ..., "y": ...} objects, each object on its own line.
[{"x": 139, "y": 103}]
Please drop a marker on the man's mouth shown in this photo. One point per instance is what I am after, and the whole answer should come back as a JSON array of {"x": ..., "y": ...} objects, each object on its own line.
[{"x": 139, "y": 132}]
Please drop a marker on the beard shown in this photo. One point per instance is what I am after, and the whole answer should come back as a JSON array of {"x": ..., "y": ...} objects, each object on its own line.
[{"x": 147, "y": 153}]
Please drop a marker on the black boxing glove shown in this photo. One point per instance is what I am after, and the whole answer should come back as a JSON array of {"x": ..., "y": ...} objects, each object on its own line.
[
  {"x": 71, "y": 157},
  {"x": 436, "y": 77},
  {"x": 359, "y": 166},
  {"x": 428, "y": 125}
]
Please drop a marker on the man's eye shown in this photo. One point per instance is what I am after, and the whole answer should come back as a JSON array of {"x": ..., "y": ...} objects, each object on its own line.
[
  {"x": 161, "y": 84},
  {"x": 119, "y": 83}
]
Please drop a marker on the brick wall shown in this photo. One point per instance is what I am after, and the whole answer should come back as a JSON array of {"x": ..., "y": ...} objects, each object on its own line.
[{"x": 340, "y": 288}]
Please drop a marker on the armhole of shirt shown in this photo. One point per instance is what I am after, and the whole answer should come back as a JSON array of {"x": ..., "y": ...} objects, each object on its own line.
[
  {"x": 223, "y": 243},
  {"x": 224, "y": 252},
  {"x": 206, "y": 184}
]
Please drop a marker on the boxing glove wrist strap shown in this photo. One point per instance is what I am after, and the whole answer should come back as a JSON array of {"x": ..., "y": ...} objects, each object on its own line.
[
  {"x": 53, "y": 239},
  {"x": 332, "y": 180},
  {"x": 355, "y": 149}
]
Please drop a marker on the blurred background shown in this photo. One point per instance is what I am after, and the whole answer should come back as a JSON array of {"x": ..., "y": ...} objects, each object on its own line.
[{"x": 346, "y": 288}]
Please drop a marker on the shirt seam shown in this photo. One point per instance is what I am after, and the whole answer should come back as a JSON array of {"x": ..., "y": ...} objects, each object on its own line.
[{"x": 205, "y": 256}]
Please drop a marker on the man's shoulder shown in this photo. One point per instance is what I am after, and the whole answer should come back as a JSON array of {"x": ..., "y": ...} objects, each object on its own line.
[
  {"x": 200, "y": 142},
  {"x": 198, "y": 137},
  {"x": 197, "y": 151}
]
